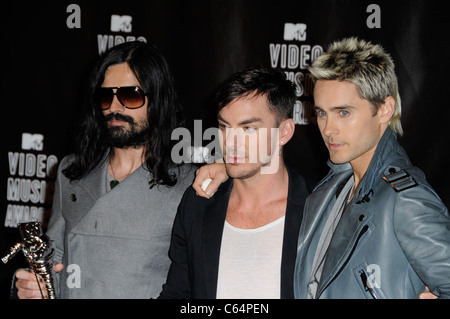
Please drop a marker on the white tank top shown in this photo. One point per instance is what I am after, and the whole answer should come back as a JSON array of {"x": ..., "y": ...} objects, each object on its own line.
[{"x": 250, "y": 262}]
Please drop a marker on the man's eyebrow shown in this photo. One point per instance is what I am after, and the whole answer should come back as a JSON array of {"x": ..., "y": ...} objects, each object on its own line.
[
  {"x": 334, "y": 108},
  {"x": 343, "y": 107},
  {"x": 221, "y": 119},
  {"x": 247, "y": 121},
  {"x": 317, "y": 108},
  {"x": 250, "y": 120}
]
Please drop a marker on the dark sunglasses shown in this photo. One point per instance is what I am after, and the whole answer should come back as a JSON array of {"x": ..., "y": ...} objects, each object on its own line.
[{"x": 131, "y": 97}]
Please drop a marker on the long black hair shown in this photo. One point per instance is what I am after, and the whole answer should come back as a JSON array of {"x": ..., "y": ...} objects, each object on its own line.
[{"x": 164, "y": 114}]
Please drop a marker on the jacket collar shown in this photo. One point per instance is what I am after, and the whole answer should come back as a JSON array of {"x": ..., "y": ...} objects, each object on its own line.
[
  {"x": 383, "y": 154},
  {"x": 386, "y": 146}
]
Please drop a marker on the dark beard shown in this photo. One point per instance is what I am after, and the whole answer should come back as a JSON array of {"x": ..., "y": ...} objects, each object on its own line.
[{"x": 120, "y": 137}]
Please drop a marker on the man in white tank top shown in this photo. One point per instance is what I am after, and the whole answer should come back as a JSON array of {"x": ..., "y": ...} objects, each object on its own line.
[{"x": 241, "y": 242}]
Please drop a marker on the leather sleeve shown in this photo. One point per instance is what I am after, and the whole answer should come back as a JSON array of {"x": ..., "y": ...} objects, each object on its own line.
[{"x": 422, "y": 227}]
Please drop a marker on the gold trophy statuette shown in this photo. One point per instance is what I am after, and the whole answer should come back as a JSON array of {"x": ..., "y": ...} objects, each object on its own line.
[{"x": 38, "y": 253}]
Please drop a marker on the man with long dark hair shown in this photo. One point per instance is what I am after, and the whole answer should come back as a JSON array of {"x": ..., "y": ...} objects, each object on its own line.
[{"x": 116, "y": 196}]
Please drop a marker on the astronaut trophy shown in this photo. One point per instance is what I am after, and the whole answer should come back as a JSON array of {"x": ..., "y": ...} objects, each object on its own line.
[{"x": 38, "y": 253}]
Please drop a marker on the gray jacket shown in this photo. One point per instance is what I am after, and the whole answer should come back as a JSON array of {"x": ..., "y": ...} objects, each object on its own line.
[
  {"x": 113, "y": 244},
  {"x": 392, "y": 239}
]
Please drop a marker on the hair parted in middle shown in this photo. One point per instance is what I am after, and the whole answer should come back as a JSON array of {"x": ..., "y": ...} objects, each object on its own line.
[
  {"x": 366, "y": 65},
  {"x": 164, "y": 114}
]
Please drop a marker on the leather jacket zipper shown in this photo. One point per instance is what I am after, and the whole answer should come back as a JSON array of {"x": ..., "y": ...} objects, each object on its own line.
[{"x": 363, "y": 276}]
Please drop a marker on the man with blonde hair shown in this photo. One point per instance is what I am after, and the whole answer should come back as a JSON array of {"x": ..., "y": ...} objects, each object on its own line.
[{"x": 373, "y": 227}]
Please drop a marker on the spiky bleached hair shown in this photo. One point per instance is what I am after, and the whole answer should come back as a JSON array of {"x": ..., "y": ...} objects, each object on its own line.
[{"x": 366, "y": 65}]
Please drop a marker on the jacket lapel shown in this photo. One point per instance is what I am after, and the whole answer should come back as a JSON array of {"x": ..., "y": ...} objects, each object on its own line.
[
  {"x": 212, "y": 230},
  {"x": 297, "y": 194},
  {"x": 343, "y": 244},
  {"x": 94, "y": 184},
  {"x": 321, "y": 200},
  {"x": 84, "y": 194},
  {"x": 317, "y": 210}
]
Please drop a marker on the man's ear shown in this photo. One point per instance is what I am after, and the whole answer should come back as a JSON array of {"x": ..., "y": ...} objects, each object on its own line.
[
  {"x": 286, "y": 131},
  {"x": 386, "y": 110}
]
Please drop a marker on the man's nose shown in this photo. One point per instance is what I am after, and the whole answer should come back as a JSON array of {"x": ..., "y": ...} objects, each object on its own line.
[
  {"x": 234, "y": 137},
  {"x": 116, "y": 106},
  {"x": 330, "y": 128}
]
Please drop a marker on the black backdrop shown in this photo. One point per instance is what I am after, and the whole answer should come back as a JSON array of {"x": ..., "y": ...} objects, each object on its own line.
[{"x": 48, "y": 47}]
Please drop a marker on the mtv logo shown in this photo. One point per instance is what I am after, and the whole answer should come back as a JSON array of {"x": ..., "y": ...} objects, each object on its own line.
[
  {"x": 32, "y": 142},
  {"x": 294, "y": 31},
  {"x": 121, "y": 23}
]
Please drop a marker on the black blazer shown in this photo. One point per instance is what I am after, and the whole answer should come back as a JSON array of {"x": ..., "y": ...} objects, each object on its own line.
[{"x": 197, "y": 235}]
